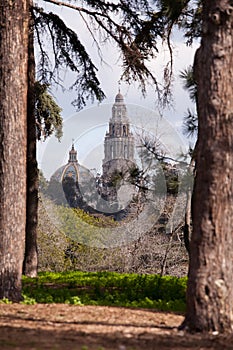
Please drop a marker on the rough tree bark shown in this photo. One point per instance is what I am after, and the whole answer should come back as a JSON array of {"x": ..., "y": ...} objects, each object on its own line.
[
  {"x": 13, "y": 111},
  {"x": 210, "y": 285},
  {"x": 30, "y": 259}
]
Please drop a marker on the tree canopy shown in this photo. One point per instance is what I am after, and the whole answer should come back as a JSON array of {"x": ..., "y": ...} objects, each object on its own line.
[{"x": 136, "y": 28}]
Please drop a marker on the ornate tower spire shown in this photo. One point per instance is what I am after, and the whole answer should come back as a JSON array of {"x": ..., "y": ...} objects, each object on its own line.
[
  {"x": 73, "y": 154},
  {"x": 119, "y": 141},
  {"x": 119, "y": 87}
]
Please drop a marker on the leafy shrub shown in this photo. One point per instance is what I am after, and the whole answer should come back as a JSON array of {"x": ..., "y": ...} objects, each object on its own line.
[
  {"x": 68, "y": 239},
  {"x": 5, "y": 301},
  {"x": 27, "y": 300},
  {"x": 108, "y": 288}
]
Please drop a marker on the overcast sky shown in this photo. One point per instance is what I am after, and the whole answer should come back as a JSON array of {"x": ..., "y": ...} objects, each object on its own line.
[{"x": 88, "y": 126}]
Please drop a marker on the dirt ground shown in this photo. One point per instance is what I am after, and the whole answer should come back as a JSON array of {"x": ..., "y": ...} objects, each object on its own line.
[{"x": 59, "y": 326}]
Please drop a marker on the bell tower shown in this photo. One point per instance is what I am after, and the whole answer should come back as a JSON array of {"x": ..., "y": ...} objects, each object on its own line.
[
  {"x": 71, "y": 169},
  {"x": 119, "y": 140},
  {"x": 73, "y": 155}
]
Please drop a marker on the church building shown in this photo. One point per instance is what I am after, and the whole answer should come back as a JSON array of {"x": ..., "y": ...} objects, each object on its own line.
[{"x": 77, "y": 182}]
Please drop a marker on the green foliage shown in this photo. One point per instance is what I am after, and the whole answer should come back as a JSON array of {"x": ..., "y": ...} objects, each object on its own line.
[
  {"x": 185, "y": 14},
  {"x": 47, "y": 113},
  {"x": 78, "y": 225},
  {"x": 52, "y": 243},
  {"x": 192, "y": 21},
  {"x": 68, "y": 239},
  {"x": 62, "y": 232},
  {"x": 190, "y": 124},
  {"x": 109, "y": 22},
  {"x": 107, "y": 288},
  {"x": 43, "y": 183},
  {"x": 5, "y": 301},
  {"x": 74, "y": 301},
  {"x": 167, "y": 179},
  {"x": 101, "y": 221},
  {"x": 173, "y": 10},
  {"x": 27, "y": 300},
  {"x": 68, "y": 52},
  {"x": 189, "y": 82}
]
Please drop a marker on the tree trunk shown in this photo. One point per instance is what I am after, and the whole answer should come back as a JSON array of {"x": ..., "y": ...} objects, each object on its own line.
[
  {"x": 13, "y": 112},
  {"x": 188, "y": 209},
  {"x": 210, "y": 284},
  {"x": 30, "y": 259}
]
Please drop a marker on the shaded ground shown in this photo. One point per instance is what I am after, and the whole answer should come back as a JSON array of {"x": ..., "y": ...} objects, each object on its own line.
[{"x": 59, "y": 326}]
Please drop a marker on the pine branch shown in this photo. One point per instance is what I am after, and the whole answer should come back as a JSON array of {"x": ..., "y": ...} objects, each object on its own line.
[
  {"x": 68, "y": 52},
  {"x": 134, "y": 52},
  {"x": 47, "y": 113}
]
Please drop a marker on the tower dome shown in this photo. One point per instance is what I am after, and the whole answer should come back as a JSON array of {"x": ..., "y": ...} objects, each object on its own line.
[
  {"x": 119, "y": 98},
  {"x": 119, "y": 111}
]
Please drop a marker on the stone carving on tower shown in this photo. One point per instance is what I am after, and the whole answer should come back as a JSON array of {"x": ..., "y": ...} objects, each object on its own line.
[{"x": 119, "y": 140}]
